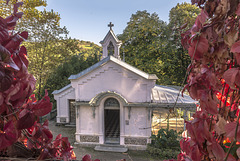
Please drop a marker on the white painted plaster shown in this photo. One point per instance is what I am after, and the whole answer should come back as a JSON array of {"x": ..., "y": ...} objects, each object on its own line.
[
  {"x": 113, "y": 77},
  {"x": 62, "y": 99}
]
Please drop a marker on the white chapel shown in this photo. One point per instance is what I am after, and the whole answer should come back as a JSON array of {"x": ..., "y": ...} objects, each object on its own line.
[{"x": 113, "y": 102}]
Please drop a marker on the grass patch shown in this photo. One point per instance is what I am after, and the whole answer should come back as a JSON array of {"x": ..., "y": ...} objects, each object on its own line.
[{"x": 139, "y": 153}]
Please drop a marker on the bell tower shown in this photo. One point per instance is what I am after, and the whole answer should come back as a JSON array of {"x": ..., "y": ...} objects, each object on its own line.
[{"x": 110, "y": 44}]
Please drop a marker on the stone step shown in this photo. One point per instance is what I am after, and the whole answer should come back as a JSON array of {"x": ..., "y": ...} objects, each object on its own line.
[
  {"x": 70, "y": 125},
  {"x": 111, "y": 148}
]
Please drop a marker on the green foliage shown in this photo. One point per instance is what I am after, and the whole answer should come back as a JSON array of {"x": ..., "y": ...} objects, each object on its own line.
[
  {"x": 58, "y": 78},
  {"x": 155, "y": 47},
  {"x": 28, "y": 8},
  {"x": 176, "y": 59},
  {"x": 184, "y": 13},
  {"x": 143, "y": 40},
  {"x": 162, "y": 153},
  {"x": 165, "y": 144},
  {"x": 165, "y": 139}
]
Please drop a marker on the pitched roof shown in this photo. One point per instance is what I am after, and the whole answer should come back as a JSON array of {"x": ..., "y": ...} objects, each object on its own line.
[
  {"x": 110, "y": 33},
  {"x": 62, "y": 89},
  {"x": 117, "y": 61}
]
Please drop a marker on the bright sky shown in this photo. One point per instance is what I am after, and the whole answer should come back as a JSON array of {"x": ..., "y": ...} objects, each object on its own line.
[{"x": 88, "y": 19}]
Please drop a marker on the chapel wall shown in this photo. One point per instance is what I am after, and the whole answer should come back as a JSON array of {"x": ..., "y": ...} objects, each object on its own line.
[
  {"x": 63, "y": 105},
  {"x": 87, "y": 123},
  {"x": 112, "y": 77},
  {"x": 139, "y": 122}
]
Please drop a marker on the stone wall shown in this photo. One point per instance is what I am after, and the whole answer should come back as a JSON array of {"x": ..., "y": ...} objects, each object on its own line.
[
  {"x": 135, "y": 141},
  {"x": 89, "y": 138}
]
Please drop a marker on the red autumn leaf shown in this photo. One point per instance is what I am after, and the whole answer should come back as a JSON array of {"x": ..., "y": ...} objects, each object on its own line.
[
  {"x": 87, "y": 157},
  {"x": 11, "y": 21},
  {"x": 46, "y": 131},
  {"x": 23, "y": 55},
  {"x": 185, "y": 145},
  {"x": 4, "y": 53},
  {"x": 231, "y": 158},
  {"x": 11, "y": 65},
  {"x": 8, "y": 136},
  {"x": 232, "y": 77},
  {"x": 18, "y": 60},
  {"x": 41, "y": 133},
  {"x": 217, "y": 151},
  {"x": 238, "y": 10},
  {"x": 42, "y": 107},
  {"x": 24, "y": 34},
  {"x": 238, "y": 152},
  {"x": 236, "y": 47},
  {"x": 19, "y": 14},
  {"x": 230, "y": 131},
  {"x": 185, "y": 37},
  {"x": 26, "y": 119},
  {"x": 183, "y": 157},
  {"x": 14, "y": 89},
  {"x": 210, "y": 105},
  {"x": 15, "y": 41},
  {"x": 3, "y": 108},
  {"x": 16, "y": 5},
  {"x": 44, "y": 154},
  {"x": 5, "y": 80},
  {"x": 4, "y": 35},
  {"x": 237, "y": 55},
  {"x": 31, "y": 82},
  {"x": 57, "y": 141},
  {"x": 1, "y": 99},
  {"x": 198, "y": 47},
  {"x": 200, "y": 20},
  {"x": 195, "y": 153},
  {"x": 190, "y": 129}
]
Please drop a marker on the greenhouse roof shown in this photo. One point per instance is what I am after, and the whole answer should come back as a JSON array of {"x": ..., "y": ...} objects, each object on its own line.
[{"x": 167, "y": 94}]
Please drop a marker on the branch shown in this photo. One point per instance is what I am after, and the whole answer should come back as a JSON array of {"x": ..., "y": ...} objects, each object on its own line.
[{"x": 234, "y": 141}]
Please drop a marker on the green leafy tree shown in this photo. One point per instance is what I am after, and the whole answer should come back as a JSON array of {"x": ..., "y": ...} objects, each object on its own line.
[
  {"x": 176, "y": 59},
  {"x": 59, "y": 77},
  {"x": 143, "y": 41},
  {"x": 27, "y": 7},
  {"x": 48, "y": 46}
]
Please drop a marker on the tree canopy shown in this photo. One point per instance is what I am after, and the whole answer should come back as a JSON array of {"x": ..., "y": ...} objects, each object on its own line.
[
  {"x": 143, "y": 40},
  {"x": 155, "y": 47},
  {"x": 176, "y": 58},
  {"x": 48, "y": 45},
  {"x": 73, "y": 65}
]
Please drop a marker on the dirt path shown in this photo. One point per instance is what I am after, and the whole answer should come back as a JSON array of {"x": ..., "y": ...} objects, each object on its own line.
[{"x": 103, "y": 156}]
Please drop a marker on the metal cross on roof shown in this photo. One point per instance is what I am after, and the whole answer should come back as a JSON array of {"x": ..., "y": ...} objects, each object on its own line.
[{"x": 110, "y": 25}]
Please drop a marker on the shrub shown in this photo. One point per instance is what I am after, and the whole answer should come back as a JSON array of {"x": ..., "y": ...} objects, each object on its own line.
[
  {"x": 162, "y": 153},
  {"x": 165, "y": 144},
  {"x": 166, "y": 139}
]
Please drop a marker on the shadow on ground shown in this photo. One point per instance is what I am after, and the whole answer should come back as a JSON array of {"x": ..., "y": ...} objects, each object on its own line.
[{"x": 103, "y": 156}]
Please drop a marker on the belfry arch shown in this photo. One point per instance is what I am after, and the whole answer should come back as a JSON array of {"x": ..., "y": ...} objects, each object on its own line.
[{"x": 111, "y": 45}]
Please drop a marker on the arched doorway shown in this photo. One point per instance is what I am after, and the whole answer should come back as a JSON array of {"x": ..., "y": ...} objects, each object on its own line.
[{"x": 112, "y": 121}]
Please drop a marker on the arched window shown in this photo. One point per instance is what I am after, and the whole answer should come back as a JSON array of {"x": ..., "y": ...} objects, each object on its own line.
[
  {"x": 111, "y": 102},
  {"x": 110, "y": 48}
]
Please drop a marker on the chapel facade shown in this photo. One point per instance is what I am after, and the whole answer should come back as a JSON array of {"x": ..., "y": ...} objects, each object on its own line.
[{"x": 112, "y": 102}]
